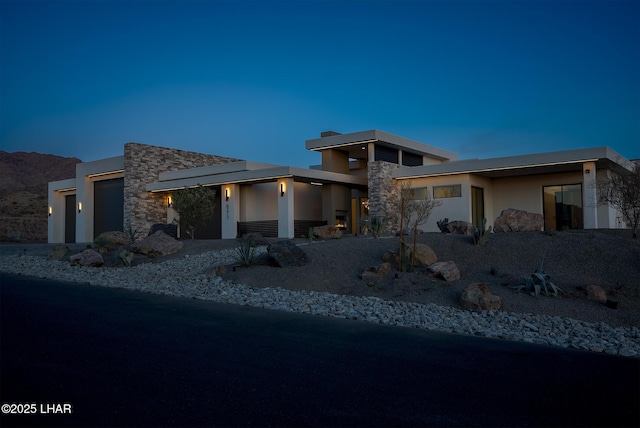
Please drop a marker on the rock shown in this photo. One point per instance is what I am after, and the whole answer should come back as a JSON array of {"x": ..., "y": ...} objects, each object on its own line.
[
  {"x": 158, "y": 244},
  {"x": 113, "y": 239},
  {"x": 87, "y": 258},
  {"x": 445, "y": 270},
  {"x": 327, "y": 232},
  {"x": 425, "y": 256},
  {"x": 256, "y": 237},
  {"x": 168, "y": 228},
  {"x": 478, "y": 296},
  {"x": 376, "y": 272},
  {"x": 286, "y": 253},
  {"x": 512, "y": 220},
  {"x": 595, "y": 292},
  {"x": 217, "y": 269},
  {"x": 391, "y": 257},
  {"x": 459, "y": 227},
  {"x": 58, "y": 252}
]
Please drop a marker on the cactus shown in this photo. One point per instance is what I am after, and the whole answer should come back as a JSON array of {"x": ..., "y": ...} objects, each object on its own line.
[
  {"x": 377, "y": 226},
  {"x": 442, "y": 225},
  {"x": 539, "y": 281},
  {"x": 481, "y": 236},
  {"x": 310, "y": 235}
]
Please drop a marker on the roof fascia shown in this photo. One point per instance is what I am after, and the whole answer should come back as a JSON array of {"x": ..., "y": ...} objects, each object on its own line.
[
  {"x": 374, "y": 135},
  {"x": 260, "y": 175},
  {"x": 217, "y": 169},
  {"x": 511, "y": 162}
]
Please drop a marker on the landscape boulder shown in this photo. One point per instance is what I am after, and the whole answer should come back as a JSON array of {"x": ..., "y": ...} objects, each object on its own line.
[
  {"x": 87, "y": 258},
  {"x": 256, "y": 238},
  {"x": 595, "y": 292},
  {"x": 327, "y": 232},
  {"x": 425, "y": 256},
  {"x": 376, "y": 272},
  {"x": 512, "y": 220},
  {"x": 459, "y": 227},
  {"x": 167, "y": 228},
  {"x": 113, "y": 238},
  {"x": 158, "y": 244},
  {"x": 58, "y": 252},
  {"x": 478, "y": 296},
  {"x": 286, "y": 253},
  {"x": 445, "y": 270}
]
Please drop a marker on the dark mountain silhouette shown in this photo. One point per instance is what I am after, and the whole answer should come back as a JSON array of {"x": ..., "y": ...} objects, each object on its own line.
[{"x": 23, "y": 192}]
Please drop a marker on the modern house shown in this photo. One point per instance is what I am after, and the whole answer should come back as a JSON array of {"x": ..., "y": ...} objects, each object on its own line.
[{"x": 359, "y": 176}]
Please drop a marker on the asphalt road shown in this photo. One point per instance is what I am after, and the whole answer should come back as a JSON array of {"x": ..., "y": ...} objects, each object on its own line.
[{"x": 121, "y": 358}]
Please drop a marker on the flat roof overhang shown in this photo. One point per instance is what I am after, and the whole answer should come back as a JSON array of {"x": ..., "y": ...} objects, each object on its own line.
[
  {"x": 512, "y": 166},
  {"x": 356, "y": 143},
  {"x": 261, "y": 176}
]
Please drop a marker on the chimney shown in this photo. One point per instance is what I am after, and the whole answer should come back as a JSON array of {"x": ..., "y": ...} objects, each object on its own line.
[{"x": 328, "y": 134}]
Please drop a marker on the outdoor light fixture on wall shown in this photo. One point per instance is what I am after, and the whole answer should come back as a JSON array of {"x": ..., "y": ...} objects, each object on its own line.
[
  {"x": 226, "y": 194},
  {"x": 79, "y": 207},
  {"x": 169, "y": 202},
  {"x": 281, "y": 189},
  {"x": 50, "y": 211}
]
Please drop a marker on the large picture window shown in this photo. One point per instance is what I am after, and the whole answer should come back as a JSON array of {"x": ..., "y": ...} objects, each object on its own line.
[
  {"x": 440, "y": 192},
  {"x": 563, "y": 207}
]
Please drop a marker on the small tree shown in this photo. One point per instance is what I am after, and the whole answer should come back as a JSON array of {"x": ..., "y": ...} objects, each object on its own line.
[
  {"x": 195, "y": 205},
  {"x": 622, "y": 192},
  {"x": 416, "y": 206}
]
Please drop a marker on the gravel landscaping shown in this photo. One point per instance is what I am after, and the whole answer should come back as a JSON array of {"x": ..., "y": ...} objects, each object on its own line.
[{"x": 329, "y": 284}]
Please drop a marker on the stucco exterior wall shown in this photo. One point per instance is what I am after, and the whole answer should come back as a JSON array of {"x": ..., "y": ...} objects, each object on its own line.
[
  {"x": 259, "y": 201},
  {"x": 457, "y": 208},
  {"x": 525, "y": 192},
  {"x": 143, "y": 164},
  {"x": 308, "y": 202}
]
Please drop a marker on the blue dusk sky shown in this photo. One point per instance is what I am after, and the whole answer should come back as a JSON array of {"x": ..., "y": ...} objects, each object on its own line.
[{"x": 254, "y": 80}]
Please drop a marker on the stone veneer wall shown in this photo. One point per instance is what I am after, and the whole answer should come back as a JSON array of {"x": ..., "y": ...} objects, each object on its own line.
[
  {"x": 383, "y": 194},
  {"x": 142, "y": 165}
]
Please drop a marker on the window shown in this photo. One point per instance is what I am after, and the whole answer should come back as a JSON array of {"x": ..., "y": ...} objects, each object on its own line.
[
  {"x": 411, "y": 159},
  {"x": 454, "y": 191},
  {"x": 386, "y": 154},
  {"x": 563, "y": 207}
]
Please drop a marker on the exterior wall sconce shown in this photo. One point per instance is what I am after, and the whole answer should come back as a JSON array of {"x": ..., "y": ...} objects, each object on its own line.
[
  {"x": 79, "y": 207},
  {"x": 587, "y": 171},
  {"x": 226, "y": 194},
  {"x": 169, "y": 202},
  {"x": 50, "y": 211},
  {"x": 281, "y": 189}
]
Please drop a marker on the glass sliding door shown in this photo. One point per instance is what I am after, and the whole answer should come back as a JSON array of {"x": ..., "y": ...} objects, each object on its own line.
[{"x": 563, "y": 207}]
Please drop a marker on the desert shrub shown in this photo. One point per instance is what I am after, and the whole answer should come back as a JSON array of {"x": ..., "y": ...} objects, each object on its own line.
[
  {"x": 245, "y": 252},
  {"x": 101, "y": 244},
  {"x": 125, "y": 256}
]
